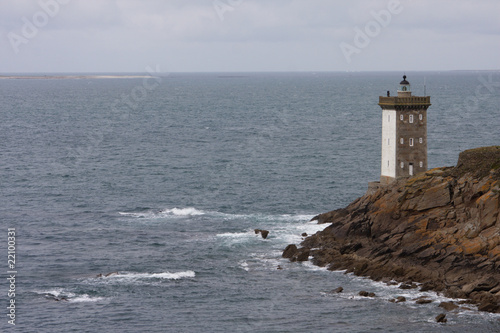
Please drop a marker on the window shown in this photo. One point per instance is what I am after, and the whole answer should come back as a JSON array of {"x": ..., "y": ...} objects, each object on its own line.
[
  {"x": 388, "y": 142},
  {"x": 420, "y": 117},
  {"x": 420, "y": 140},
  {"x": 387, "y": 163},
  {"x": 411, "y": 142},
  {"x": 421, "y": 164},
  {"x": 402, "y": 165},
  {"x": 401, "y": 117},
  {"x": 389, "y": 118},
  {"x": 411, "y": 119},
  {"x": 402, "y": 141}
]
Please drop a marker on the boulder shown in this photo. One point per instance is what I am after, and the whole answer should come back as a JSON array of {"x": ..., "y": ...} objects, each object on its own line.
[
  {"x": 489, "y": 307},
  {"x": 302, "y": 254},
  {"x": 263, "y": 233},
  {"x": 366, "y": 294},
  {"x": 441, "y": 318},
  {"x": 290, "y": 251},
  {"x": 423, "y": 300},
  {"x": 400, "y": 299},
  {"x": 448, "y": 306}
]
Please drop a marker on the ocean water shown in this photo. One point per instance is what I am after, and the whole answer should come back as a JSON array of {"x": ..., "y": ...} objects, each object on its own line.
[{"x": 161, "y": 182}]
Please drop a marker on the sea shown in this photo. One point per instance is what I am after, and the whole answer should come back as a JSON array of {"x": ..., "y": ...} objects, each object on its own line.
[{"x": 134, "y": 200}]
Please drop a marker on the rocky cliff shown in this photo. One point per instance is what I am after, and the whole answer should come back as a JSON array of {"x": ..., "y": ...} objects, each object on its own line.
[{"x": 440, "y": 228}]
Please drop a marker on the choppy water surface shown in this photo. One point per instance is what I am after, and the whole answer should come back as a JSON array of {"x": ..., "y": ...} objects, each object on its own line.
[{"x": 165, "y": 194}]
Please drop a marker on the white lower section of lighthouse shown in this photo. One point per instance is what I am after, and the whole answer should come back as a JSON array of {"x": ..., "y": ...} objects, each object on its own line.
[{"x": 389, "y": 143}]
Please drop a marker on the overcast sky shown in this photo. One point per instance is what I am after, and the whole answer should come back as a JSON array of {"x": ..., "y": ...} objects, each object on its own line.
[{"x": 248, "y": 35}]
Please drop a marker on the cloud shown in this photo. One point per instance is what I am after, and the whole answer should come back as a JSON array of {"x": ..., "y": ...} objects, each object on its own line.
[{"x": 127, "y": 35}]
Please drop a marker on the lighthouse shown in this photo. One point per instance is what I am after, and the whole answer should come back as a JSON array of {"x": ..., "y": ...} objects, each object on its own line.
[{"x": 404, "y": 133}]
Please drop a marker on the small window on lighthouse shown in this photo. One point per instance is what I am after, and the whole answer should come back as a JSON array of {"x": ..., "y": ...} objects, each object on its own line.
[
  {"x": 420, "y": 117},
  {"x": 411, "y": 142},
  {"x": 388, "y": 142},
  {"x": 402, "y": 165},
  {"x": 411, "y": 119},
  {"x": 402, "y": 141},
  {"x": 389, "y": 118},
  {"x": 421, "y": 164},
  {"x": 420, "y": 140},
  {"x": 401, "y": 117}
]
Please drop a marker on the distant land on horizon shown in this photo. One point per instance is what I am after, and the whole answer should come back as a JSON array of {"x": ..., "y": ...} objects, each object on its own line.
[
  {"x": 131, "y": 75},
  {"x": 63, "y": 77}
]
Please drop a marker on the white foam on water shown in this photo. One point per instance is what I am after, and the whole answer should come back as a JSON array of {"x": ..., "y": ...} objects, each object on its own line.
[
  {"x": 298, "y": 218},
  {"x": 134, "y": 277},
  {"x": 244, "y": 265},
  {"x": 138, "y": 215},
  {"x": 62, "y": 295},
  {"x": 236, "y": 235},
  {"x": 86, "y": 299},
  {"x": 189, "y": 211},
  {"x": 289, "y": 233},
  {"x": 165, "y": 213}
]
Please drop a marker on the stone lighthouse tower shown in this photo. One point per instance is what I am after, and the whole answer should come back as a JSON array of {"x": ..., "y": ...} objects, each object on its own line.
[{"x": 404, "y": 134}]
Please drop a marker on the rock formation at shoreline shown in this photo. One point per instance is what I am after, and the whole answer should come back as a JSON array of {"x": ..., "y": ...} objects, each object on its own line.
[{"x": 440, "y": 228}]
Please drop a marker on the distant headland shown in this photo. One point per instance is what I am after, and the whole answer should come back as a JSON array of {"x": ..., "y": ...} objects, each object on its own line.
[{"x": 71, "y": 77}]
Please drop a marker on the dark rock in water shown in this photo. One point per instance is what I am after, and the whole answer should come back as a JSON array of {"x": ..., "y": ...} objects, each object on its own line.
[
  {"x": 438, "y": 228},
  {"x": 263, "y": 233},
  {"x": 366, "y": 294},
  {"x": 441, "y": 318},
  {"x": 428, "y": 286},
  {"x": 303, "y": 254},
  {"x": 448, "y": 306},
  {"x": 400, "y": 299},
  {"x": 304, "y": 234},
  {"x": 423, "y": 300},
  {"x": 290, "y": 251},
  {"x": 337, "y": 290},
  {"x": 489, "y": 307}
]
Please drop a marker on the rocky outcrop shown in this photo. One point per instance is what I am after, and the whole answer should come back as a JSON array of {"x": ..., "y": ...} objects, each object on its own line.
[
  {"x": 440, "y": 228},
  {"x": 263, "y": 233}
]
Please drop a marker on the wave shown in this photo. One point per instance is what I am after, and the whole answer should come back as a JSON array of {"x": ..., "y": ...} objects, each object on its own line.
[
  {"x": 174, "y": 212},
  {"x": 62, "y": 295},
  {"x": 192, "y": 211},
  {"x": 135, "y": 277}
]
